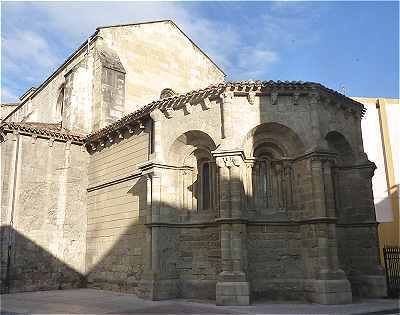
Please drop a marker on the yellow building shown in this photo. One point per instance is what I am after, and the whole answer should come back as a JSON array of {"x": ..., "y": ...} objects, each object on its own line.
[{"x": 381, "y": 138}]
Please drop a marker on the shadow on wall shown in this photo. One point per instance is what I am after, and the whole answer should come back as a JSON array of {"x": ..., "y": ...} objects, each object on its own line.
[
  {"x": 26, "y": 266},
  {"x": 189, "y": 238}
]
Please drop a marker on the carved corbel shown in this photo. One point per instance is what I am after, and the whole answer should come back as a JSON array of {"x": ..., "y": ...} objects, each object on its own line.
[
  {"x": 314, "y": 98},
  {"x": 120, "y": 135},
  {"x": 110, "y": 139},
  {"x": 15, "y": 135},
  {"x": 167, "y": 112},
  {"x": 34, "y": 138},
  {"x": 227, "y": 96},
  {"x": 141, "y": 125},
  {"x": 251, "y": 97},
  {"x": 296, "y": 98},
  {"x": 187, "y": 109},
  {"x": 3, "y": 136},
  {"x": 274, "y": 97},
  {"x": 92, "y": 146},
  {"x": 130, "y": 129},
  {"x": 206, "y": 104},
  {"x": 101, "y": 142},
  {"x": 156, "y": 115},
  {"x": 68, "y": 145},
  {"x": 51, "y": 141}
]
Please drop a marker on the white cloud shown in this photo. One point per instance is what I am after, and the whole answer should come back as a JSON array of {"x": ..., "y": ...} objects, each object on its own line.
[
  {"x": 34, "y": 46},
  {"x": 253, "y": 62},
  {"x": 7, "y": 96}
]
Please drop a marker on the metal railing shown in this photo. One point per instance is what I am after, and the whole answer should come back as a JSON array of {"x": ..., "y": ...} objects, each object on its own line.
[{"x": 391, "y": 256}]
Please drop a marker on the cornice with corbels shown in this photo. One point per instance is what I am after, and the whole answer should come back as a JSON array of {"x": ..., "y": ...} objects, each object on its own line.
[
  {"x": 227, "y": 90},
  {"x": 115, "y": 135}
]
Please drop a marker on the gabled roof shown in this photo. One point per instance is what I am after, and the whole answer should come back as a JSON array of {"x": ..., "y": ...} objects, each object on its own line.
[
  {"x": 173, "y": 24},
  {"x": 213, "y": 91},
  {"x": 45, "y": 130}
]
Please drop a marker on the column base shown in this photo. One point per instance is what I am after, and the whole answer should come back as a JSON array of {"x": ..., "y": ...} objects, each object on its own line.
[
  {"x": 233, "y": 293},
  {"x": 328, "y": 291},
  {"x": 369, "y": 286}
]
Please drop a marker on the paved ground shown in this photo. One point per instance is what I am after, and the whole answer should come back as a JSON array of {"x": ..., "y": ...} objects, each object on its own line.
[{"x": 89, "y": 301}]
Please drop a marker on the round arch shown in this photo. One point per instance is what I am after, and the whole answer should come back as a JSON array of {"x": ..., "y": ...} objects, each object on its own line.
[
  {"x": 273, "y": 139},
  {"x": 338, "y": 144},
  {"x": 194, "y": 142}
]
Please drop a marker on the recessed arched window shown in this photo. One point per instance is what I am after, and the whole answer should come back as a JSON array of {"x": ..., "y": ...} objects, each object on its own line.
[
  {"x": 263, "y": 177},
  {"x": 60, "y": 104},
  {"x": 205, "y": 183}
]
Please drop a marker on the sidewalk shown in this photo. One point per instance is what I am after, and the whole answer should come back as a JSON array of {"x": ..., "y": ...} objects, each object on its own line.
[{"x": 89, "y": 301}]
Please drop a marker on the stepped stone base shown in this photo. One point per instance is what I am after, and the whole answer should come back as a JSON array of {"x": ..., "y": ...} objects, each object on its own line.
[
  {"x": 328, "y": 291},
  {"x": 232, "y": 293}
]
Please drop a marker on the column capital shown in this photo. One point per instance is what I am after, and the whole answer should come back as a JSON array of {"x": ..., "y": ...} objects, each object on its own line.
[{"x": 228, "y": 158}]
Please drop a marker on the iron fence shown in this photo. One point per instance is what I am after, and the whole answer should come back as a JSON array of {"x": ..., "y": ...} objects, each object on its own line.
[{"x": 391, "y": 256}]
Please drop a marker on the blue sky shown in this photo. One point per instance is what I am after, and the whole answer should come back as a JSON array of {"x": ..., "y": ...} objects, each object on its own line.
[{"x": 350, "y": 44}]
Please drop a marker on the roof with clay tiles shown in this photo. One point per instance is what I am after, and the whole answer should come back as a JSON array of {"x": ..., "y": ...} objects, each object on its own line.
[
  {"x": 213, "y": 91},
  {"x": 45, "y": 130}
]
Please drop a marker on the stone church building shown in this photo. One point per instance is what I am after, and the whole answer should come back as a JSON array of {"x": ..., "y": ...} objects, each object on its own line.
[{"x": 136, "y": 167}]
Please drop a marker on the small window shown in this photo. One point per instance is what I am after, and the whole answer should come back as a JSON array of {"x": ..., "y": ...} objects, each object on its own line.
[
  {"x": 263, "y": 177},
  {"x": 60, "y": 105}
]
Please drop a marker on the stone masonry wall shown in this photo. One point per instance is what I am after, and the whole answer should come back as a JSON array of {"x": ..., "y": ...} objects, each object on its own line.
[
  {"x": 43, "y": 214},
  {"x": 116, "y": 242},
  {"x": 199, "y": 259},
  {"x": 275, "y": 262}
]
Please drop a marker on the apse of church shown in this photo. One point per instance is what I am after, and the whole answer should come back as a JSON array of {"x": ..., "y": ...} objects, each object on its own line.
[{"x": 233, "y": 191}]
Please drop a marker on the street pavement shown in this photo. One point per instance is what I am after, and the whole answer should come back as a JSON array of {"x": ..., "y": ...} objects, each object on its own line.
[{"x": 90, "y": 301}]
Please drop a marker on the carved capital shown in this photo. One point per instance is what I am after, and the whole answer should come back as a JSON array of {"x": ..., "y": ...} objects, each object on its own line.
[{"x": 229, "y": 161}]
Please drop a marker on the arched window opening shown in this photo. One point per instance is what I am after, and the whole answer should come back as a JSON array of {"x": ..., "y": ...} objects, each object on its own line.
[
  {"x": 271, "y": 178},
  {"x": 263, "y": 178},
  {"x": 198, "y": 181},
  {"x": 205, "y": 186},
  {"x": 60, "y": 105}
]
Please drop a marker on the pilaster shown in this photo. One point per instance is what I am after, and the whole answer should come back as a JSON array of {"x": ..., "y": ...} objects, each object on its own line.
[
  {"x": 357, "y": 218},
  {"x": 325, "y": 282},
  {"x": 158, "y": 282},
  {"x": 232, "y": 286}
]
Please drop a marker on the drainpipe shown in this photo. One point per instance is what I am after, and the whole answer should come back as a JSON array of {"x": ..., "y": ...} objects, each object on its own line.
[{"x": 11, "y": 230}]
